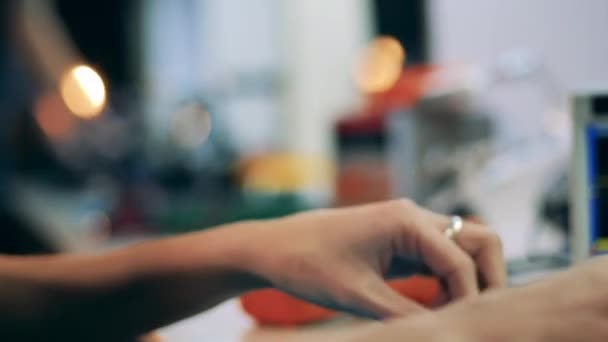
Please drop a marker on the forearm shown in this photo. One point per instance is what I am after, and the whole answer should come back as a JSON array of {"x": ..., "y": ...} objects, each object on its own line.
[
  {"x": 126, "y": 292},
  {"x": 427, "y": 327}
]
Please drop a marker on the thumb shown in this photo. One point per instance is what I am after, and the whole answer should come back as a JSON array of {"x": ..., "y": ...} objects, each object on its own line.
[{"x": 377, "y": 297}]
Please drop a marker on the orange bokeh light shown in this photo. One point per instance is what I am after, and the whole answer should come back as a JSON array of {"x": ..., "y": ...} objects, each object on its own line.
[
  {"x": 83, "y": 91},
  {"x": 53, "y": 117},
  {"x": 380, "y": 65}
]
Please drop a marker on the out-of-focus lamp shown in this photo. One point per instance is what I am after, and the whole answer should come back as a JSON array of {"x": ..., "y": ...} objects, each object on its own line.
[{"x": 83, "y": 91}]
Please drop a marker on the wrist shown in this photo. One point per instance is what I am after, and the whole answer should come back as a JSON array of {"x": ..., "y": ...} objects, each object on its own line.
[
  {"x": 432, "y": 328},
  {"x": 240, "y": 254},
  {"x": 470, "y": 320},
  {"x": 217, "y": 253},
  {"x": 258, "y": 249},
  {"x": 422, "y": 327}
]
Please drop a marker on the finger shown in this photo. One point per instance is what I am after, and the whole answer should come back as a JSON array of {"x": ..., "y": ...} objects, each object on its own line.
[
  {"x": 376, "y": 296},
  {"x": 486, "y": 249},
  {"x": 484, "y": 246},
  {"x": 441, "y": 300},
  {"x": 446, "y": 260}
]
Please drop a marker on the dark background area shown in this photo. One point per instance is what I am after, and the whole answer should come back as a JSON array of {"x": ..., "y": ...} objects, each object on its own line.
[
  {"x": 107, "y": 45},
  {"x": 406, "y": 21},
  {"x": 101, "y": 30}
]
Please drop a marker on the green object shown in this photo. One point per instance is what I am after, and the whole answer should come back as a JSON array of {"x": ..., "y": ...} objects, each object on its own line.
[{"x": 188, "y": 214}]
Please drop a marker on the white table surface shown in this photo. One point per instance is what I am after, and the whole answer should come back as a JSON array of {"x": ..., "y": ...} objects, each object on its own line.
[{"x": 229, "y": 323}]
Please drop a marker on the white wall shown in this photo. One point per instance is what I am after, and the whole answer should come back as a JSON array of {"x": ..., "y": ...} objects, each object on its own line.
[
  {"x": 206, "y": 48},
  {"x": 197, "y": 45},
  {"x": 320, "y": 40},
  {"x": 569, "y": 37}
]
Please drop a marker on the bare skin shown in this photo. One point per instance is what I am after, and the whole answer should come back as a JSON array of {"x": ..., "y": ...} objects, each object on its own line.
[
  {"x": 569, "y": 307},
  {"x": 335, "y": 257}
]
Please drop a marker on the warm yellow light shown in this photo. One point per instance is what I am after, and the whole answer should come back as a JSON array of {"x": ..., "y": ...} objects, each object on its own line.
[
  {"x": 381, "y": 65},
  {"x": 83, "y": 91},
  {"x": 286, "y": 173}
]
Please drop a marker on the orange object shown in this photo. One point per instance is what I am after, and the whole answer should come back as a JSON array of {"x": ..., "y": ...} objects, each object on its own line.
[
  {"x": 409, "y": 89},
  {"x": 273, "y": 307}
]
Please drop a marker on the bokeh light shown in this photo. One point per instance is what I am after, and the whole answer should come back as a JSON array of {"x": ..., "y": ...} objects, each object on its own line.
[
  {"x": 191, "y": 125},
  {"x": 53, "y": 117},
  {"x": 83, "y": 91},
  {"x": 380, "y": 65}
]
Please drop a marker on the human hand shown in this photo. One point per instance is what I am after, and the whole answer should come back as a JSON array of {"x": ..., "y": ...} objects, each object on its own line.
[
  {"x": 571, "y": 306},
  {"x": 338, "y": 257}
]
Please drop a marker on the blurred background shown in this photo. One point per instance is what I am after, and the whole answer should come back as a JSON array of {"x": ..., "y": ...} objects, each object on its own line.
[{"x": 121, "y": 120}]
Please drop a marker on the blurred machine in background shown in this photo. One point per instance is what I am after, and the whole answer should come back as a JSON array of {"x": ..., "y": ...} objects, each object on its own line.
[
  {"x": 430, "y": 144},
  {"x": 432, "y": 136},
  {"x": 150, "y": 117},
  {"x": 589, "y": 191}
]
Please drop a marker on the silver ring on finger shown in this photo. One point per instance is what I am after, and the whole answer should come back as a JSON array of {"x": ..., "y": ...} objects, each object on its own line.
[{"x": 454, "y": 228}]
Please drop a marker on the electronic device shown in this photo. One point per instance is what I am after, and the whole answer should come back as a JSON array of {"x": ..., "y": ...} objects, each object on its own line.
[{"x": 589, "y": 183}]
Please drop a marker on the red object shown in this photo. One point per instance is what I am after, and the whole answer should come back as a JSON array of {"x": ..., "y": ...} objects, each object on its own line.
[
  {"x": 364, "y": 174},
  {"x": 408, "y": 90},
  {"x": 362, "y": 182},
  {"x": 273, "y": 307}
]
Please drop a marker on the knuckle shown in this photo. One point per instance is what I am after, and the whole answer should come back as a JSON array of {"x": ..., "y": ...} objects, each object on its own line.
[
  {"x": 402, "y": 205},
  {"x": 404, "y": 212},
  {"x": 395, "y": 208},
  {"x": 493, "y": 240}
]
